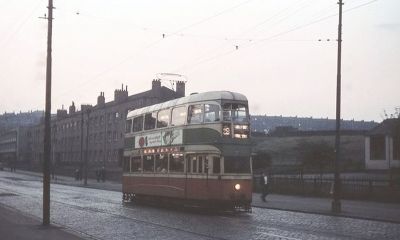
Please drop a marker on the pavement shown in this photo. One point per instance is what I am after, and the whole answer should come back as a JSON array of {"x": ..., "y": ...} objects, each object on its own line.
[
  {"x": 16, "y": 226},
  {"x": 387, "y": 212}
]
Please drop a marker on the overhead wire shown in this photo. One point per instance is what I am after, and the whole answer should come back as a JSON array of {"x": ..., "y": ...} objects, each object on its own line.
[
  {"x": 20, "y": 25},
  {"x": 281, "y": 12},
  {"x": 153, "y": 44},
  {"x": 252, "y": 44}
]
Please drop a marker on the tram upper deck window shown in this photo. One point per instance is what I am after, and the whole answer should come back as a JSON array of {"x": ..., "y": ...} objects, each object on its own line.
[
  {"x": 178, "y": 116},
  {"x": 211, "y": 113},
  {"x": 163, "y": 118},
  {"x": 128, "y": 126},
  {"x": 150, "y": 121},
  {"x": 137, "y": 124},
  {"x": 236, "y": 164},
  {"x": 195, "y": 114},
  {"x": 235, "y": 112}
]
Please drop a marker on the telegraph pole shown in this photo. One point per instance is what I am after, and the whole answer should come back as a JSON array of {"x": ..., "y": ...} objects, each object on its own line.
[
  {"x": 336, "y": 205},
  {"x": 47, "y": 120},
  {"x": 87, "y": 147}
]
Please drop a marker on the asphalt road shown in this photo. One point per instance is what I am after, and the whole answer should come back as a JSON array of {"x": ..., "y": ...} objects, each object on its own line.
[{"x": 100, "y": 214}]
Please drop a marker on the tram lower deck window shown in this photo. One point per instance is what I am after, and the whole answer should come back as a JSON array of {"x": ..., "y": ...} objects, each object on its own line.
[
  {"x": 176, "y": 162},
  {"x": 136, "y": 164},
  {"x": 148, "y": 163},
  {"x": 237, "y": 164}
]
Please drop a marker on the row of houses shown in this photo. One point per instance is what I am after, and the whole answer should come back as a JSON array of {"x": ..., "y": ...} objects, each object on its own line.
[{"x": 96, "y": 130}]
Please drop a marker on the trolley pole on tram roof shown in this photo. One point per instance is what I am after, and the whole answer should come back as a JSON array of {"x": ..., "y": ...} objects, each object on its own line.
[
  {"x": 336, "y": 205},
  {"x": 47, "y": 120}
]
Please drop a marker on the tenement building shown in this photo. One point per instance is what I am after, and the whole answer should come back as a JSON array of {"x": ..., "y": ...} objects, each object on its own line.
[
  {"x": 15, "y": 147},
  {"x": 95, "y": 134}
]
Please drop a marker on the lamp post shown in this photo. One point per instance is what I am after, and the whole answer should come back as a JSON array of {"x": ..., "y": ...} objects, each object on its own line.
[
  {"x": 87, "y": 146},
  {"x": 336, "y": 205}
]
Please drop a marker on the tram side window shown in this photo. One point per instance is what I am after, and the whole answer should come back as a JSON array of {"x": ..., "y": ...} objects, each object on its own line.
[
  {"x": 195, "y": 114},
  {"x": 161, "y": 163},
  {"x": 178, "y": 116},
  {"x": 148, "y": 163},
  {"x": 163, "y": 118},
  {"x": 189, "y": 159},
  {"x": 150, "y": 121},
  {"x": 211, "y": 113},
  {"x": 136, "y": 164},
  {"x": 200, "y": 159},
  {"x": 237, "y": 164},
  {"x": 137, "y": 124},
  {"x": 128, "y": 126},
  {"x": 176, "y": 162},
  {"x": 216, "y": 165},
  {"x": 126, "y": 164}
]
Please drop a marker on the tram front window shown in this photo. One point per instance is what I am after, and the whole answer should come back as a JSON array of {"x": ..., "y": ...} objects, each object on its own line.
[
  {"x": 236, "y": 164},
  {"x": 235, "y": 112}
]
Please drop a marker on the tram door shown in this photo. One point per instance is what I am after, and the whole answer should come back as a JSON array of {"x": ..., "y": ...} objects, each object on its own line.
[{"x": 197, "y": 170}]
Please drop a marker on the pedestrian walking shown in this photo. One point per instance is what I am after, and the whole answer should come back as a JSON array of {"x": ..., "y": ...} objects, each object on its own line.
[
  {"x": 98, "y": 175},
  {"x": 264, "y": 186}
]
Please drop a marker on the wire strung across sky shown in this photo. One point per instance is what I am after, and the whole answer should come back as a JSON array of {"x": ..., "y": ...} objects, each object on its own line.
[{"x": 247, "y": 42}]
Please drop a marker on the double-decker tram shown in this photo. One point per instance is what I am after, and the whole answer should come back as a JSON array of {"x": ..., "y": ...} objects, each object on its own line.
[{"x": 193, "y": 151}]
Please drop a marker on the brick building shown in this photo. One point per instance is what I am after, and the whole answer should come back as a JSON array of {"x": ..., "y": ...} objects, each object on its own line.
[{"x": 96, "y": 131}]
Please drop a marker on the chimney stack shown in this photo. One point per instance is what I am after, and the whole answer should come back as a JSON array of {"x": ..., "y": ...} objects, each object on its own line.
[{"x": 101, "y": 99}]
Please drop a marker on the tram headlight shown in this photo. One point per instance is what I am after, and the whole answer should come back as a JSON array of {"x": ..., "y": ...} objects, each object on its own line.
[{"x": 237, "y": 186}]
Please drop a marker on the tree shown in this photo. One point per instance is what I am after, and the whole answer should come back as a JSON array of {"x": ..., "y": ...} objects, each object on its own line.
[
  {"x": 315, "y": 155},
  {"x": 395, "y": 114}
]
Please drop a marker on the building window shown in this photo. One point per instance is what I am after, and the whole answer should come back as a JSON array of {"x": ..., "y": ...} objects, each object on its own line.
[{"x": 377, "y": 147}]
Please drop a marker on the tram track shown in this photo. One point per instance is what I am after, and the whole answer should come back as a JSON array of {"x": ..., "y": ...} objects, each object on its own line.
[{"x": 96, "y": 210}]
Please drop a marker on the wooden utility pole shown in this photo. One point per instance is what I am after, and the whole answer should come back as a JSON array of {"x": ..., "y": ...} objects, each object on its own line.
[
  {"x": 47, "y": 120},
  {"x": 87, "y": 147},
  {"x": 336, "y": 205}
]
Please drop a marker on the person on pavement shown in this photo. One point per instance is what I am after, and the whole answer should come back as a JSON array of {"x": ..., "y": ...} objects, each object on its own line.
[{"x": 264, "y": 186}]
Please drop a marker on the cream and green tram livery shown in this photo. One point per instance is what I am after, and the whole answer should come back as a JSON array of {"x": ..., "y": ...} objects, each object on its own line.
[{"x": 193, "y": 150}]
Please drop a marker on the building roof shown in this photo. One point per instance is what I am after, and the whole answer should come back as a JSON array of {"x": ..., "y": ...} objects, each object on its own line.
[
  {"x": 389, "y": 127},
  {"x": 198, "y": 97}
]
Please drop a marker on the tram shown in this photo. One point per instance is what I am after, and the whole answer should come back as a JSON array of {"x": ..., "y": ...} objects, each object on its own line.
[{"x": 193, "y": 150}]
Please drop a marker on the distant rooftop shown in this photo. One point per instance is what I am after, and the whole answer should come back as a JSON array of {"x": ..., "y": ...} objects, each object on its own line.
[{"x": 266, "y": 124}]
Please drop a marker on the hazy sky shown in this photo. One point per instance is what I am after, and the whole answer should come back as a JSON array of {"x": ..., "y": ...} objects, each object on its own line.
[{"x": 279, "y": 63}]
